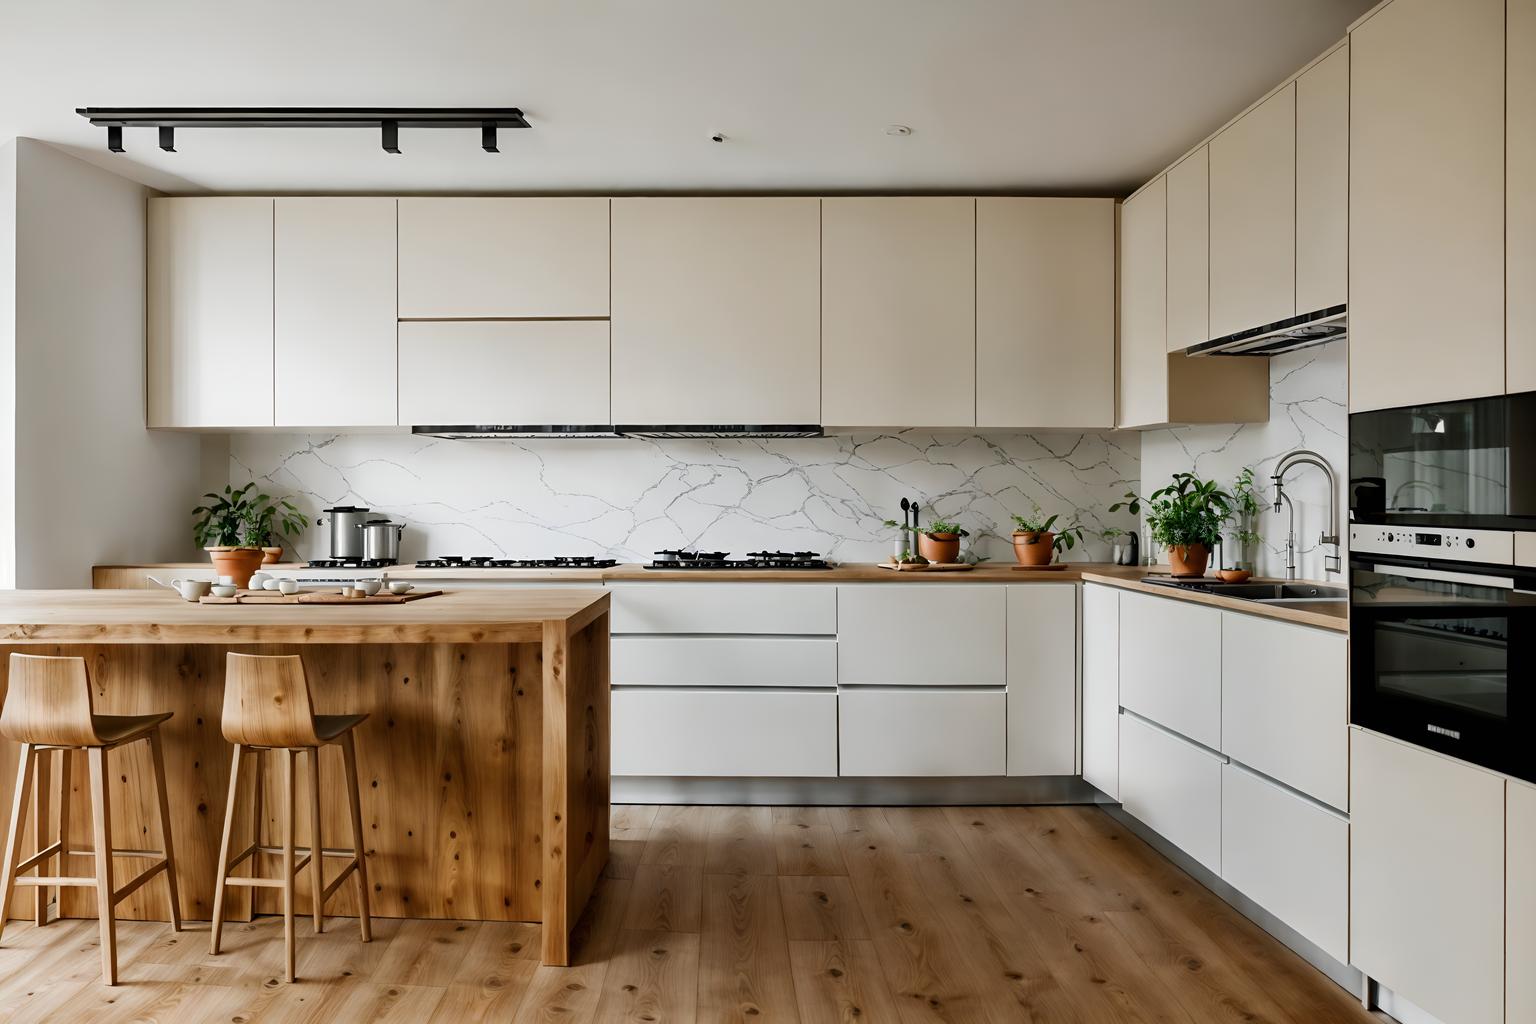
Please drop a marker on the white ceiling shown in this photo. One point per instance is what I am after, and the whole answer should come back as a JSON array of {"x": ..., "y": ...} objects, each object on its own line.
[{"x": 1089, "y": 96}]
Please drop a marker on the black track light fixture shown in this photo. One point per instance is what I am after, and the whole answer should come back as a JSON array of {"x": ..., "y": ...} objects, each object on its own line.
[{"x": 388, "y": 120}]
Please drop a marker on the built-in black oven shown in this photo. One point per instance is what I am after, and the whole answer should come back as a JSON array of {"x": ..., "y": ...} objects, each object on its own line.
[{"x": 1443, "y": 640}]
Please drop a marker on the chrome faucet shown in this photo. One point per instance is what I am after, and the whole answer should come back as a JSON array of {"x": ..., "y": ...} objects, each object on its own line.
[
  {"x": 1307, "y": 457},
  {"x": 1290, "y": 535}
]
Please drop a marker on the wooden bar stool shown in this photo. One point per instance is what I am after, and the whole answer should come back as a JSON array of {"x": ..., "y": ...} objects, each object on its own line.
[
  {"x": 267, "y": 707},
  {"x": 48, "y": 708}
]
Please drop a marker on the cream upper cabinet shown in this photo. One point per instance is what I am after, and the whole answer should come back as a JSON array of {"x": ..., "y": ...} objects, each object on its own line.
[
  {"x": 898, "y": 312},
  {"x": 724, "y": 294},
  {"x": 1520, "y": 201},
  {"x": 494, "y": 257},
  {"x": 1253, "y": 217},
  {"x": 1322, "y": 183},
  {"x": 1189, "y": 251},
  {"x": 1427, "y": 878},
  {"x": 1520, "y": 903},
  {"x": 1426, "y": 203},
  {"x": 1045, "y": 313},
  {"x": 209, "y": 311},
  {"x": 1144, "y": 306},
  {"x": 333, "y": 308}
]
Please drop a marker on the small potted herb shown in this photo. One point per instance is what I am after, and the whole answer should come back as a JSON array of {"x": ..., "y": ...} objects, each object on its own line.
[
  {"x": 939, "y": 541},
  {"x": 234, "y": 527},
  {"x": 1036, "y": 542},
  {"x": 1185, "y": 517}
]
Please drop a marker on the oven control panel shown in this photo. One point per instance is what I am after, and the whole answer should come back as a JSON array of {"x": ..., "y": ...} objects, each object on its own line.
[{"x": 1490, "y": 547}]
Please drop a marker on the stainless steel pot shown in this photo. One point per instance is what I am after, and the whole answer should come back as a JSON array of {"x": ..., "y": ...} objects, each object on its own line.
[
  {"x": 381, "y": 540},
  {"x": 346, "y": 522}
]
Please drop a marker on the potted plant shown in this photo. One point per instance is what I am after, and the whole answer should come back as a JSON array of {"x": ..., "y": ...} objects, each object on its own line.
[
  {"x": 1245, "y": 514},
  {"x": 939, "y": 541},
  {"x": 274, "y": 517},
  {"x": 1185, "y": 517},
  {"x": 229, "y": 528},
  {"x": 1035, "y": 542}
]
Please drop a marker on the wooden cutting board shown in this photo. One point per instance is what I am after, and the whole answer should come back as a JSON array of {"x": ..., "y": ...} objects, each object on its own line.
[
  {"x": 1053, "y": 567},
  {"x": 315, "y": 597},
  {"x": 928, "y": 567}
]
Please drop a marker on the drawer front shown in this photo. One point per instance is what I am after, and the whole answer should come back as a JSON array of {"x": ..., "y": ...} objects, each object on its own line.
[
  {"x": 768, "y": 734},
  {"x": 1174, "y": 787},
  {"x": 905, "y": 733},
  {"x": 922, "y": 634},
  {"x": 724, "y": 661},
  {"x": 1285, "y": 704},
  {"x": 782, "y": 608},
  {"x": 1288, "y": 855},
  {"x": 1042, "y": 679},
  {"x": 1170, "y": 664}
]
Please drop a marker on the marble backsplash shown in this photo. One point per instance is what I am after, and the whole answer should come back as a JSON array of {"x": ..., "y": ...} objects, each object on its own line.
[
  {"x": 628, "y": 498},
  {"x": 1308, "y": 409}
]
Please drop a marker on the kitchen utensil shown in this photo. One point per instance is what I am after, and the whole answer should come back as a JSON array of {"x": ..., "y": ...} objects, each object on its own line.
[
  {"x": 190, "y": 590},
  {"x": 368, "y": 587},
  {"x": 401, "y": 587},
  {"x": 346, "y": 533},
  {"x": 381, "y": 540},
  {"x": 224, "y": 590},
  {"x": 288, "y": 586},
  {"x": 934, "y": 566}
]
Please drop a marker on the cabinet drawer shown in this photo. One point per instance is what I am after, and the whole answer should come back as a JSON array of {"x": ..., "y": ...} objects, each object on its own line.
[
  {"x": 1288, "y": 855},
  {"x": 784, "y": 608},
  {"x": 882, "y": 626},
  {"x": 771, "y": 734},
  {"x": 724, "y": 661},
  {"x": 1174, "y": 787},
  {"x": 922, "y": 732},
  {"x": 1170, "y": 665},
  {"x": 1285, "y": 704}
]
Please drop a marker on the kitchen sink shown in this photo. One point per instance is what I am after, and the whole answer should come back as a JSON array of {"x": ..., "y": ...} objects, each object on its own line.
[{"x": 1266, "y": 593}]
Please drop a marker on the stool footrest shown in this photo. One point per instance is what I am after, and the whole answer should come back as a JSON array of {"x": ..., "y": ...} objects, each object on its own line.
[
  {"x": 55, "y": 880},
  {"x": 336, "y": 882},
  {"x": 298, "y": 865},
  {"x": 144, "y": 854},
  {"x": 143, "y": 876},
  {"x": 38, "y": 857}
]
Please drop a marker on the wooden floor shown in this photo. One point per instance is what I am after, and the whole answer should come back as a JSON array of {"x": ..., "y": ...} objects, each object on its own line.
[{"x": 1050, "y": 914}]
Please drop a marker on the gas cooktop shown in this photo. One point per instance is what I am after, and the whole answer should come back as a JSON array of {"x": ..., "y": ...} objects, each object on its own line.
[
  {"x": 704, "y": 561},
  {"x": 489, "y": 562},
  {"x": 350, "y": 563}
]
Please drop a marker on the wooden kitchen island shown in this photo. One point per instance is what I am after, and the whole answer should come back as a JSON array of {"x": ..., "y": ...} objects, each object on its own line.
[{"x": 483, "y": 763}]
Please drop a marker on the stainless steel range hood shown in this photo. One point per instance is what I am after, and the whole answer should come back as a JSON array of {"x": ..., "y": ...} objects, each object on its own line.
[
  {"x": 485, "y": 432},
  {"x": 727, "y": 430},
  {"x": 1287, "y": 335}
]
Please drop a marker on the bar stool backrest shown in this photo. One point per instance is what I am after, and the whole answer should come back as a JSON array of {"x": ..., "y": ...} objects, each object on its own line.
[
  {"x": 266, "y": 701},
  {"x": 48, "y": 701}
]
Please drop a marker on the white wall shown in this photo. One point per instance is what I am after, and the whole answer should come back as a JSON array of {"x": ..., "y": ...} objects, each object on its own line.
[
  {"x": 92, "y": 485},
  {"x": 8, "y": 364}
]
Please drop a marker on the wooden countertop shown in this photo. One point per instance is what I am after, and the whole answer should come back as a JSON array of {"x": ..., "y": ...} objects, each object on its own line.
[
  {"x": 1332, "y": 615},
  {"x": 160, "y": 616}
]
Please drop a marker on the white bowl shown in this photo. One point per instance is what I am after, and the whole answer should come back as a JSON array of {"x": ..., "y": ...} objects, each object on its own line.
[
  {"x": 270, "y": 583},
  {"x": 369, "y": 587},
  {"x": 288, "y": 586},
  {"x": 224, "y": 590},
  {"x": 401, "y": 587}
]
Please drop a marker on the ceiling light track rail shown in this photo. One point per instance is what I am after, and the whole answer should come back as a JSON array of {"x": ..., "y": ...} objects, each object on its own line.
[{"x": 388, "y": 120}]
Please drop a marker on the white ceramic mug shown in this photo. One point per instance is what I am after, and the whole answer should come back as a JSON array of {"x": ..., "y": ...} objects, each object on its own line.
[
  {"x": 191, "y": 590},
  {"x": 369, "y": 587},
  {"x": 288, "y": 586},
  {"x": 401, "y": 587}
]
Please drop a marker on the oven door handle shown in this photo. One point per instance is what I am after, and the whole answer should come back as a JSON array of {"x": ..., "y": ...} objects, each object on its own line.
[{"x": 1446, "y": 576}]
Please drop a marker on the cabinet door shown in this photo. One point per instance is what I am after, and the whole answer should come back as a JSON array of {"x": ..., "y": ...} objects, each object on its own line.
[
  {"x": 333, "y": 310},
  {"x": 1322, "y": 184},
  {"x": 877, "y": 621},
  {"x": 1286, "y": 713},
  {"x": 729, "y": 733},
  {"x": 785, "y": 662},
  {"x": 504, "y": 372},
  {"x": 491, "y": 257},
  {"x": 898, "y": 312},
  {"x": 1045, "y": 313},
  {"x": 1426, "y": 218},
  {"x": 1042, "y": 679},
  {"x": 915, "y": 733},
  {"x": 1101, "y": 688},
  {"x": 1427, "y": 878},
  {"x": 748, "y": 608},
  {"x": 1174, "y": 787},
  {"x": 1520, "y": 201},
  {"x": 1520, "y": 904},
  {"x": 725, "y": 296},
  {"x": 1253, "y": 217},
  {"x": 1143, "y": 373},
  {"x": 209, "y": 311},
  {"x": 1170, "y": 665},
  {"x": 1189, "y": 251}
]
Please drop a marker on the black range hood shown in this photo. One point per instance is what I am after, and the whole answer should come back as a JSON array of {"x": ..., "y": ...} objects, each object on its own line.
[
  {"x": 1288, "y": 335},
  {"x": 472, "y": 432},
  {"x": 491, "y": 432}
]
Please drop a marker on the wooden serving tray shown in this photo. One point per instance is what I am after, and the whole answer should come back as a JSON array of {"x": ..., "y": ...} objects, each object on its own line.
[
  {"x": 928, "y": 566},
  {"x": 1054, "y": 566},
  {"x": 315, "y": 597}
]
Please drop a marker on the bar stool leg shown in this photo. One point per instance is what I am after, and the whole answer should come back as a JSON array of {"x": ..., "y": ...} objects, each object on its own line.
[
  {"x": 354, "y": 800},
  {"x": 226, "y": 849},
  {"x": 101, "y": 819},
  {"x": 13, "y": 836},
  {"x": 66, "y": 786},
  {"x": 41, "y": 779},
  {"x": 290, "y": 820},
  {"x": 316, "y": 861},
  {"x": 157, "y": 753}
]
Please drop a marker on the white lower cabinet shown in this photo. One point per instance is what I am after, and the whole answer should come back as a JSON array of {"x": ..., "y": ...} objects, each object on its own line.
[
  {"x": 725, "y": 733},
  {"x": 881, "y": 631},
  {"x": 1172, "y": 786},
  {"x": 1042, "y": 679},
  {"x": 1101, "y": 688},
  {"x": 1427, "y": 878},
  {"x": 1288, "y": 855},
  {"x": 1520, "y": 904},
  {"x": 1170, "y": 664},
  {"x": 796, "y": 661},
  {"x": 743, "y": 608},
  {"x": 921, "y": 732}
]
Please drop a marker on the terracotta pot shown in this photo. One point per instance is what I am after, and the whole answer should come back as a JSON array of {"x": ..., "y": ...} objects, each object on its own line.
[
  {"x": 236, "y": 563},
  {"x": 271, "y": 555},
  {"x": 1188, "y": 559},
  {"x": 939, "y": 547},
  {"x": 1036, "y": 548}
]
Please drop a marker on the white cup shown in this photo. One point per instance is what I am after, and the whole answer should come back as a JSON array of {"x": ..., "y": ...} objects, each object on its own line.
[
  {"x": 191, "y": 590},
  {"x": 224, "y": 590},
  {"x": 258, "y": 579},
  {"x": 401, "y": 587},
  {"x": 369, "y": 587},
  {"x": 288, "y": 586},
  {"x": 270, "y": 583}
]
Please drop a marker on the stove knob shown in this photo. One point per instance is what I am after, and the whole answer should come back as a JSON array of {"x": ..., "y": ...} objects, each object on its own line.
[{"x": 1471, "y": 543}]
